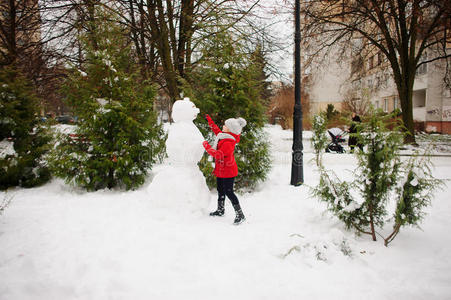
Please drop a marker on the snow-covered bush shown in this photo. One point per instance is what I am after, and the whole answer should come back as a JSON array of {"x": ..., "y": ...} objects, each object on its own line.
[
  {"x": 381, "y": 177},
  {"x": 23, "y": 138},
  {"x": 117, "y": 138}
]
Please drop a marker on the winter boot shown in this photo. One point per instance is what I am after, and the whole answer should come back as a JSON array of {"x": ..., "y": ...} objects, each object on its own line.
[
  {"x": 239, "y": 215},
  {"x": 220, "y": 211}
]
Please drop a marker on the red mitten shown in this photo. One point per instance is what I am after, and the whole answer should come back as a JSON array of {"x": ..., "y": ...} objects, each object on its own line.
[{"x": 206, "y": 145}]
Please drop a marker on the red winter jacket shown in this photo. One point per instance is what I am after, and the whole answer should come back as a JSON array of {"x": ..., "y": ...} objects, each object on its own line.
[{"x": 225, "y": 164}]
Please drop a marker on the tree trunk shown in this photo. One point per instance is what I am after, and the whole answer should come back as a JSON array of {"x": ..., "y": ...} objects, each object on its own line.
[
  {"x": 371, "y": 209},
  {"x": 135, "y": 36},
  {"x": 405, "y": 90},
  {"x": 373, "y": 231},
  {"x": 172, "y": 33},
  {"x": 188, "y": 57},
  {"x": 407, "y": 115},
  {"x": 392, "y": 235},
  {"x": 161, "y": 33},
  {"x": 12, "y": 46},
  {"x": 149, "y": 63},
  {"x": 110, "y": 183},
  {"x": 371, "y": 197},
  {"x": 185, "y": 34},
  {"x": 408, "y": 69},
  {"x": 90, "y": 5}
]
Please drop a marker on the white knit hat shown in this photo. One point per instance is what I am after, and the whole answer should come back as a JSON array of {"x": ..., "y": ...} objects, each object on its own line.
[{"x": 235, "y": 125}]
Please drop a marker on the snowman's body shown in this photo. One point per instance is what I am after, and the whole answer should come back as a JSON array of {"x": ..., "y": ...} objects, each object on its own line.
[{"x": 181, "y": 185}]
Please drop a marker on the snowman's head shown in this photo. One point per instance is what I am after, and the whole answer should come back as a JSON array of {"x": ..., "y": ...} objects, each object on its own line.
[{"x": 184, "y": 111}]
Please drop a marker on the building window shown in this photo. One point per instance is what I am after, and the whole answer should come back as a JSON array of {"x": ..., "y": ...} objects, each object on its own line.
[
  {"x": 385, "y": 105},
  {"x": 370, "y": 62},
  {"x": 356, "y": 65},
  {"x": 422, "y": 69},
  {"x": 20, "y": 42},
  {"x": 379, "y": 58},
  {"x": 397, "y": 103}
]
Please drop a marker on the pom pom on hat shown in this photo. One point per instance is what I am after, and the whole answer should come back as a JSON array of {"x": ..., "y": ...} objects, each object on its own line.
[{"x": 235, "y": 125}]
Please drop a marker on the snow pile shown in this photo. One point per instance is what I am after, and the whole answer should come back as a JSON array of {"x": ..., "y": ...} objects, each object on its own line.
[{"x": 58, "y": 242}]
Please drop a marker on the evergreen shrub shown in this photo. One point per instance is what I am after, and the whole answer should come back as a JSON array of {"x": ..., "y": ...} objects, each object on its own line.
[
  {"x": 380, "y": 178},
  {"x": 320, "y": 139},
  {"x": 226, "y": 86},
  {"x": 24, "y": 140},
  {"x": 117, "y": 139}
]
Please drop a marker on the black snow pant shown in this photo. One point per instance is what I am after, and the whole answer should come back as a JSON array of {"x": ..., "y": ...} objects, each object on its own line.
[{"x": 225, "y": 188}]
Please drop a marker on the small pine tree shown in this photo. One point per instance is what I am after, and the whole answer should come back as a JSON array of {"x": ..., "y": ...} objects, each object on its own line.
[
  {"x": 319, "y": 139},
  {"x": 21, "y": 131},
  {"x": 118, "y": 138},
  {"x": 225, "y": 87},
  {"x": 331, "y": 112},
  {"x": 379, "y": 171}
]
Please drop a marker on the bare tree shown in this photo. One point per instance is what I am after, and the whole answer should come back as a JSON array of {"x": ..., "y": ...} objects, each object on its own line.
[
  {"x": 169, "y": 35},
  {"x": 23, "y": 45},
  {"x": 401, "y": 30},
  {"x": 281, "y": 107},
  {"x": 20, "y": 36},
  {"x": 357, "y": 101}
]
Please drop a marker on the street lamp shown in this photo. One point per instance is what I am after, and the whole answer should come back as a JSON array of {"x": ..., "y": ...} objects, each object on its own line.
[{"x": 297, "y": 171}]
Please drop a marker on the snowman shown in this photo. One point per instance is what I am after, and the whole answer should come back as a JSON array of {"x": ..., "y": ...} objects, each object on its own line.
[{"x": 180, "y": 185}]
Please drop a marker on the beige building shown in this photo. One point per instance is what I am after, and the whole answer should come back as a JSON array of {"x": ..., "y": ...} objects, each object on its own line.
[
  {"x": 431, "y": 97},
  {"x": 326, "y": 78},
  {"x": 365, "y": 77},
  {"x": 19, "y": 39}
]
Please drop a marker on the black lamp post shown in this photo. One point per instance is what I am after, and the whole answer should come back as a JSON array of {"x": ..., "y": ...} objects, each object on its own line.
[{"x": 297, "y": 167}]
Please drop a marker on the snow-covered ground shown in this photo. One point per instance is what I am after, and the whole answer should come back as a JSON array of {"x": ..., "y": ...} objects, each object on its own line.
[{"x": 58, "y": 242}]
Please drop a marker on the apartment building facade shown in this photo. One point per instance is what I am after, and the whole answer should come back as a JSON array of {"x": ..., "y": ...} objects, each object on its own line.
[
  {"x": 361, "y": 33},
  {"x": 431, "y": 98},
  {"x": 20, "y": 31}
]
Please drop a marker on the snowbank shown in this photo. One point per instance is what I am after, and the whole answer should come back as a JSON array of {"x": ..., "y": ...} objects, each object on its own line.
[{"x": 59, "y": 242}]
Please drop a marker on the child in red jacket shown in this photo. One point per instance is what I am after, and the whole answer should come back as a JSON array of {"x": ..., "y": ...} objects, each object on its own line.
[{"x": 226, "y": 168}]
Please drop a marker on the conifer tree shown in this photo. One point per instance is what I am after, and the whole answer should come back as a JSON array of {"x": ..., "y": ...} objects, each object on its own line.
[
  {"x": 381, "y": 177},
  {"x": 319, "y": 139},
  {"x": 260, "y": 63},
  {"x": 118, "y": 138},
  {"x": 225, "y": 86},
  {"x": 23, "y": 138}
]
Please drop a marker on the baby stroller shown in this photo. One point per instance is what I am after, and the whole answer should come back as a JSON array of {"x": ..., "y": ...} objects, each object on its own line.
[{"x": 336, "y": 134}]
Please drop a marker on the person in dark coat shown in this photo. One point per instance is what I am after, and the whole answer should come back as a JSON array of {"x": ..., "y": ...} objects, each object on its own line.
[
  {"x": 226, "y": 168},
  {"x": 352, "y": 141}
]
